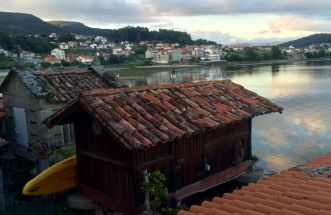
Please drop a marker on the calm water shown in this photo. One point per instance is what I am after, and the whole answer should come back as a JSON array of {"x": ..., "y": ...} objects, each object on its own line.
[{"x": 281, "y": 141}]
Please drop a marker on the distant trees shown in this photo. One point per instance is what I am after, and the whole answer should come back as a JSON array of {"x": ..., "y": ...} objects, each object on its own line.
[
  {"x": 320, "y": 53},
  {"x": 255, "y": 54},
  {"x": 204, "y": 42},
  {"x": 34, "y": 44},
  {"x": 136, "y": 34},
  {"x": 276, "y": 53}
]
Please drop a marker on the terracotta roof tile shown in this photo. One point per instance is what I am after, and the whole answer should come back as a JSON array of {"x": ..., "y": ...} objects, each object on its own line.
[
  {"x": 295, "y": 192},
  {"x": 164, "y": 113},
  {"x": 65, "y": 86}
]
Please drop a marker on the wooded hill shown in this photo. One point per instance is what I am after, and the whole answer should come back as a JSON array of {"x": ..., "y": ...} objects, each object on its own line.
[
  {"x": 306, "y": 41},
  {"x": 21, "y": 23}
]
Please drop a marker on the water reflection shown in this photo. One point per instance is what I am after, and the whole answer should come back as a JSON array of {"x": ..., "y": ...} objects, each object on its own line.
[{"x": 301, "y": 133}]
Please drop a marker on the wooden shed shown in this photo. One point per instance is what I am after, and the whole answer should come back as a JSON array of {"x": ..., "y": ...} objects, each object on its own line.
[
  {"x": 197, "y": 134},
  {"x": 31, "y": 96}
]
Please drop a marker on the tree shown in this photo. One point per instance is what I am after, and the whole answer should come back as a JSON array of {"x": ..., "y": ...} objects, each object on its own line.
[
  {"x": 252, "y": 54},
  {"x": 276, "y": 53}
]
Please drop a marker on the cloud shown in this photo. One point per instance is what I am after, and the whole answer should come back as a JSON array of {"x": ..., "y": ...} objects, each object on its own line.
[
  {"x": 221, "y": 7},
  {"x": 296, "y": 23},
  {"x": 223, "y": 38},
  {"x": 101, "y": 10}
]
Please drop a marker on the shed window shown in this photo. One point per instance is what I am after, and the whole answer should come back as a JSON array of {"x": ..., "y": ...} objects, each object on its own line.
[{"x": 68, "y": 134}]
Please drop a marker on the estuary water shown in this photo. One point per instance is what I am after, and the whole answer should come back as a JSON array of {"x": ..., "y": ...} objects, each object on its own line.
[{"x": 280, "y": 141}]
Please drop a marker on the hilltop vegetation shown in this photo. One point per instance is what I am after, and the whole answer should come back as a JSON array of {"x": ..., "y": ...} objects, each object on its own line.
[
  {"x": 35, "y": 44},
  {"x": 21, "y": 23},
  {"x": 25, "y": 24},
  {"x": 310, "y": 40}
]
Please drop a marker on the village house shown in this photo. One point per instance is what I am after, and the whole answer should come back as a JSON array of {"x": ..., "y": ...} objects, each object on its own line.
[
  {"x": 197, "y": 134},
  {"x": 27, "y": 56},
  {"x": 161, "y": 57},
  {"x": 85, "y": 59},
  {"x": 3, "y": 51},
  {"x": 72, "y": 44},
  {"x": 149, "y": 54},
  {"x": 70, "y": 58},
  {"x": 51, "y": 60},
  {"x": 175, "y": 56},
  {"x": 116, "y": 50},
  {"x": 64, "y": 46},
  {"x": 52, "y": 35},
  {"x": 29, "y": 97},
  {"x": 58, "y": 53}
]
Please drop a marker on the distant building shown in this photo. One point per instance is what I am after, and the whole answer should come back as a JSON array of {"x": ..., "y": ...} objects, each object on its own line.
[
  {"x": 52, "y": 35},
  {"x": 85, "y": 59},
  {"x": 117, "y": 50},
  {"x": 214, "y": 57},
  {"x": 149, "y": 54},
  {"x": 175, "y": 56},
  {"x": 162, "y": 57},
  {"x": 3, "y": 51},
  {"x": 64, "y": 46},
  {"x": 102, "y": 46},
  {"x": 27, "y": 56},
  {"x": 51, "y": 59},
  {"x": 93, "y": 46},
  {"x": 58, "y": 53},
  {"x": 72, "y": 44}
]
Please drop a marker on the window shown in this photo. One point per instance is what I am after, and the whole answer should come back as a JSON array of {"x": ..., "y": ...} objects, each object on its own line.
[{"x": 68, "y": 134}]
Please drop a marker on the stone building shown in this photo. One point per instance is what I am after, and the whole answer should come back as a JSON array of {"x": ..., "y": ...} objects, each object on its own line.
[{"x": 29, "y": 97}]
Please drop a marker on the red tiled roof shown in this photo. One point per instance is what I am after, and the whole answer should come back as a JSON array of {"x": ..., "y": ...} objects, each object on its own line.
[
  {"x": 141, "y": 117},
  {"x": 300, "y": 190},
  {"x": 65, "y": 86}
]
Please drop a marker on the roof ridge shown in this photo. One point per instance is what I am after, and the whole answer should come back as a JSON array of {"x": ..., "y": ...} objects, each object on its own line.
[
  {"x": 96, "y": 92},
  {"x": 45, "y": 73}
]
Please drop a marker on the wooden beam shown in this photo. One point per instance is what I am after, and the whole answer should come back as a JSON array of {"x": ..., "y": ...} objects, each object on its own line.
[
  {"x": 106, "y": 160},
  {"x": 212, "y": 181}
]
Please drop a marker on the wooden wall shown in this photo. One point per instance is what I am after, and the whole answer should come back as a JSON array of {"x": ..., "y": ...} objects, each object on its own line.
[{"x": 105, "y": 166}]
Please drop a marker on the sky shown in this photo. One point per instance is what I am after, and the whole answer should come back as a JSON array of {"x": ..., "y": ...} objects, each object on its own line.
[{"x": 223, "y": 21}]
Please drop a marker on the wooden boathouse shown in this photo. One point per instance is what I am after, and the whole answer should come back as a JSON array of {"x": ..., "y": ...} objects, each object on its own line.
[{"x": 197, "y": 134}]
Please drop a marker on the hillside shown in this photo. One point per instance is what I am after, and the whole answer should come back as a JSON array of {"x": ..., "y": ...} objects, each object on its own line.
[
  {"x": 21, "y": 23},
  {"x": 306, "y": 41},
  {"x": 78, "y": 28}
]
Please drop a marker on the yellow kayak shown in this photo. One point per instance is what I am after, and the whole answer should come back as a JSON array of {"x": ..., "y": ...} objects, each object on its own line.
[{"x": 57, "y": 178}]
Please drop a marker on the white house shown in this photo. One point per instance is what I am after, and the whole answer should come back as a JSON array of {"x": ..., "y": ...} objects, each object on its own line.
[
  {"x": 175, "y": 56},
  {"x": 102, "y": 46},
  {"x": 93, "y": 46},
  {"x": 52, "y": 35},
  {"x": 214, "y": 57},
  {"x": 58, "y": 53},
  {"x": 5, "y": 52},
  {"x": 150, "y": 54},
  {"x": 27, "y": 56},
  {"x": 117, "y": 50},
  {"x": 64, "y": 46}
]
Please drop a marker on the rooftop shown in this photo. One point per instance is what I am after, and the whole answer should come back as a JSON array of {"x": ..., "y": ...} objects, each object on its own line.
[
  {"x": 305, "y": 189},
  {"x": 63, "y": 86},
  {"x": 141, "y": 117}
]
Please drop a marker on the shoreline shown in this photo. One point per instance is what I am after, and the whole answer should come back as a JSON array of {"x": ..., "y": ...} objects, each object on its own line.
[{"x": 226, "y": 64}]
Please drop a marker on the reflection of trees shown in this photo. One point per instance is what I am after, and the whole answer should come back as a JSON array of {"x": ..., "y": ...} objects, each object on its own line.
[{"x": 275, "y": 70}]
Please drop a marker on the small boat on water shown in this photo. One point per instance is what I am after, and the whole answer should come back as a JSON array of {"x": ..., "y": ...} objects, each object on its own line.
[{"x": 57, "y": 178}]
